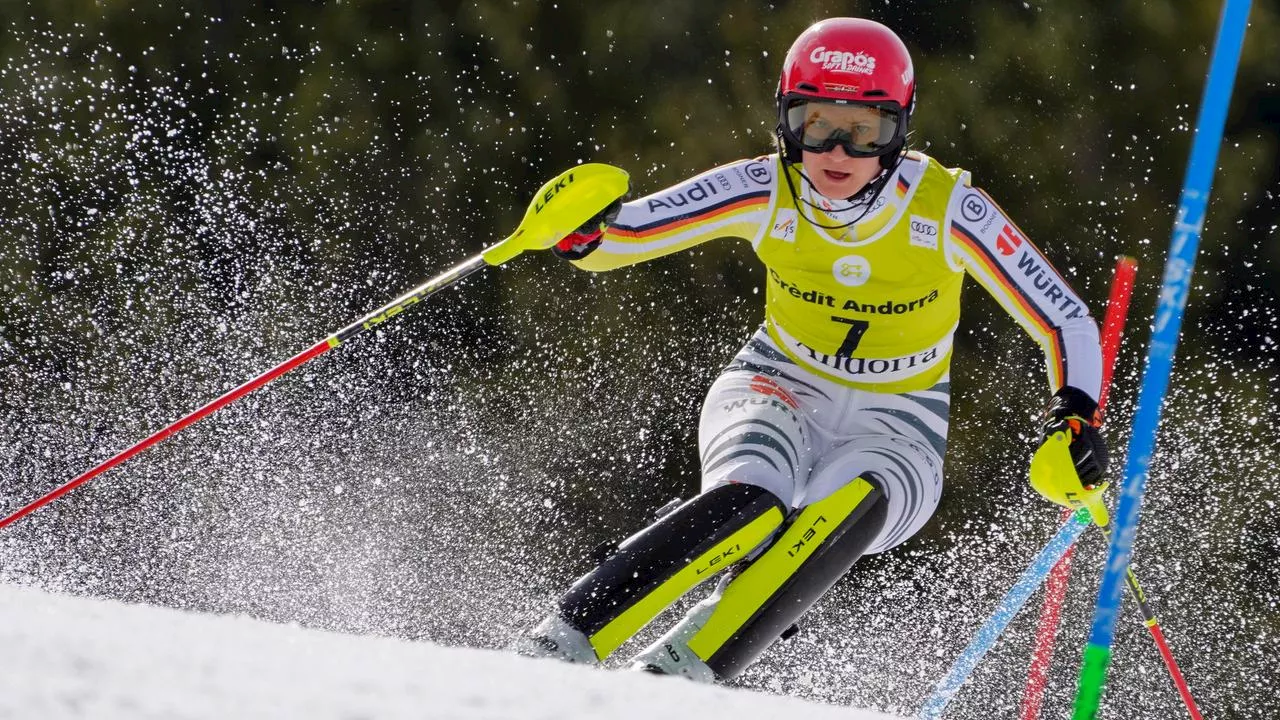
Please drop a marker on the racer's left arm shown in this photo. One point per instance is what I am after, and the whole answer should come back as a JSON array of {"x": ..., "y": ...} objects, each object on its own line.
[
  {"x": 982, "y": 240},
  {"x": 730, "y": 201}
]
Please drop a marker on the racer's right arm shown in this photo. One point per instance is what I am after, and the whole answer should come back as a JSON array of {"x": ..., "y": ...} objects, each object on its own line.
[{"x": 729, "y": 201}]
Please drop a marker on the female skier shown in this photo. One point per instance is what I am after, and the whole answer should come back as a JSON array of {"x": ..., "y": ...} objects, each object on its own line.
[{"x": 824, "y": 438}]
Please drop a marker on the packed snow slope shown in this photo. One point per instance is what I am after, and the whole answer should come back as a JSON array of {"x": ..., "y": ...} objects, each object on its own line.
[{"x": 72, "y": 657}]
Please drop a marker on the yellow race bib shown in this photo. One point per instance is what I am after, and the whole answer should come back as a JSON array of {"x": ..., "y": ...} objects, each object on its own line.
[{"x": 874, "y": 305}]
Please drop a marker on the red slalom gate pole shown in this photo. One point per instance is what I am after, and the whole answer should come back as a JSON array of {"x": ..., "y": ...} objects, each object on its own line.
[{"x": 1056, "y": 585}]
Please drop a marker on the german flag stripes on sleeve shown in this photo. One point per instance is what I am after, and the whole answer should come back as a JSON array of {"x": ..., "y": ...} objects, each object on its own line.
[
  {"x": 729, "y": 201},
  {"x": 993, "y": 250}
]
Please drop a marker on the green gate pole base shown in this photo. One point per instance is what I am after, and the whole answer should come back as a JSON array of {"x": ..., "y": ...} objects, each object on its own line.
[{"x": 1093, "y": 675}]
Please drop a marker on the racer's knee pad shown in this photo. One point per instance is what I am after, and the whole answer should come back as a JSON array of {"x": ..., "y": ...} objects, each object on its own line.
[
  {"x": 770, "y": 594},
  {"x": 653, "y": 568}
]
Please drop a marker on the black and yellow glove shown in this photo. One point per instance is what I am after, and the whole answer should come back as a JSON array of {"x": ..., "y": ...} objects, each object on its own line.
[{"x": 1069, "y": 467}]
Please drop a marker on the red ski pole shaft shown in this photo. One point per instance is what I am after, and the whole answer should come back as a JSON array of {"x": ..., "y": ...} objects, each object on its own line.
[
  {"x": 1056, "y": 586},
  {"x": 1157, "y": 634},
  {"x": 395, "y": 307},
  {"x": 567, "y": 201}
]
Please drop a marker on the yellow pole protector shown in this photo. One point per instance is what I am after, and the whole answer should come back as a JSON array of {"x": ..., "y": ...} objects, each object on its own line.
[
  {"x": 560, "y": 207},
  {"x": 727, "y": 552},
  {"x": 750, "y": 590},
  {"x": 1053, "y": 475}
]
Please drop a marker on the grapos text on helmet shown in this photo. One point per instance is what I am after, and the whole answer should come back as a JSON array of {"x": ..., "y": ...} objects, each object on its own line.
[{"x": 843, "y": 61}]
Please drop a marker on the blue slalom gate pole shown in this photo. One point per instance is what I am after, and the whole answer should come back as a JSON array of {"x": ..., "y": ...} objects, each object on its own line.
[
  {"x": 1009, "y": 606},
  {"x": 1164, "y": 339}
]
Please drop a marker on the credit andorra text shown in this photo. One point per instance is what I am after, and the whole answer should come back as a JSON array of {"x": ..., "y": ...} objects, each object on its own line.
[{"x": 887, "y": 307}]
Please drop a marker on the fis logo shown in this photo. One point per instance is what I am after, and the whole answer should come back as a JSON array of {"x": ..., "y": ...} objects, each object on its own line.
[
  {"x": 1009, "y": 241},
  {"x": 784, "y": 226},
  {"x": 842, "y": 61}
]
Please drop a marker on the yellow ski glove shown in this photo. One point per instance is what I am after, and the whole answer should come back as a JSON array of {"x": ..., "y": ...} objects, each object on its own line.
[{"x": 1069, "y": 466}]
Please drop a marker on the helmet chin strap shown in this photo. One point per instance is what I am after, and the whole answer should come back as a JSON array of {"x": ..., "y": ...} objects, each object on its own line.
[{"x": 868, "y": 194}]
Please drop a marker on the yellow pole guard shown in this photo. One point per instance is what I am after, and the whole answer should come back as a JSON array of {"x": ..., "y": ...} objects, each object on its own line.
[
  {"x": 762, "y": 579},
  {"x": 560, "y": 207},
  {"x": 1053, "y": 475},
  {"x": 727, "y": 552}
]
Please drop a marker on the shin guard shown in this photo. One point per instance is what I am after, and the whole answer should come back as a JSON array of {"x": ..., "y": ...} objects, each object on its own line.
[
  {"x": 770, "y": 594},
  {"x": 653, "y": 568}
]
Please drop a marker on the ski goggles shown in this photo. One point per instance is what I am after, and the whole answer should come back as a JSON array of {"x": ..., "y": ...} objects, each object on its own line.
[{"x": 863, "y": 130}]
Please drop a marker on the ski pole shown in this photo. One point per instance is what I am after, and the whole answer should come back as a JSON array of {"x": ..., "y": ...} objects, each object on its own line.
[
  {"x": 1056, "y": 586},
  {"x": 560, "y": 206},
  {"x": 1113, "y": 327},
  {"x": 1174, "y": 290},
  {"x": 1009, "y": 606}
]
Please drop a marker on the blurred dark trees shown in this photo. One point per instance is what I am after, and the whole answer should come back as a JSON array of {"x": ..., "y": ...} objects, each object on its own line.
[{"x": 1076, "y": 117}]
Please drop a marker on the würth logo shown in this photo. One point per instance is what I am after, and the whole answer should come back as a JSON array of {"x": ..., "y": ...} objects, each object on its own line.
[{"x": 1009, "y": 241}]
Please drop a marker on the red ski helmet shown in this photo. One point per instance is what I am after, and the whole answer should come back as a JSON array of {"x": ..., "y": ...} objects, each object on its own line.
[{"x": 847, "y": 61}]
